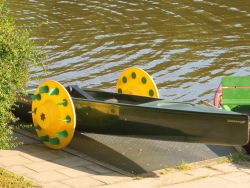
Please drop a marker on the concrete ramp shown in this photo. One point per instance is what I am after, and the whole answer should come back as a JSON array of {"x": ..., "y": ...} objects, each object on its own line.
[{"x": 138, "y": 156}]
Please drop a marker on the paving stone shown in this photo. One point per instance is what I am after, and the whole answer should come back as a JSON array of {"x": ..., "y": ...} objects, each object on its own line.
[
  {"x": 68, "y": 170},
  {"x": 32, "y": 148},
  {"x": 205, "y": 183},
  {"x": 244, "y": 167},
  {"x": 112, "y": 178},
  {"x": 242, "y": 185},
  {"x": 99, "y": 169},
  {"x": 176, "y": 177},
  {"x": 21, "y": 170},
  {"x": 246, "y": 170},
  {"x": 171, "y": 178},
  {"x": 76, "y": 171},
  {"x": 43, "y": 166},
  {"x": 31, "y": 157},
  {"x": 202, "y": 172},
  {"x": 72, "y": 161},
  {"x": 226, "y": 167},
  {"x": 82, "y": 182},
  {"x": 147, "y": 182},
  {"x": 53, "y": 153},
  {"x": 45, "y": 155},
  {"x": 25, "y": 139},
  {"x": 55, "y": 185},
  {"x": 48, "y": 176},
  {"x": 236, "y": 177},
  {"x": 13, "y": 160},
  {"x": 7, "y": 153}
]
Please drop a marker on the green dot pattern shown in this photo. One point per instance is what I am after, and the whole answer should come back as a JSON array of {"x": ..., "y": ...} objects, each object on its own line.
[
  {"x": 64, "y": 102},
  {"x": 124, "y": 79},
  {"x": 144, "y": 80},
  {"x": 54, "y": 91},
  {"x": 34, "y": 111},
  {"x": 33, "y": 97},
  {"x": 38, "y": 97},
  {"x": 120, "y": 90},
  {"x": 133, "y": 75},
  {"x": 44, "y": 89},
  {"x": 68, "y": 119},
  {"x": 37, "y": 127},
  {"x": 54, "y": 141},
  {"x": 44, "y": 138},
  {"x": 151, "y": 93},
  {"x": 62, "y": 134}
]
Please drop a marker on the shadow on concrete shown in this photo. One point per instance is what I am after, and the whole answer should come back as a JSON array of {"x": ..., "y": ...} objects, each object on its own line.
[
  {"x": 104, "y": 153},
  {"x": 38, "y": 152},
  {"x": 138, "y": 156}
]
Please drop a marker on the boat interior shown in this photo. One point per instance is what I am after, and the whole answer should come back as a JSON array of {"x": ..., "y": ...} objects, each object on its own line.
[
  {"x": 243, "y": 109},
  {"x": 97, "y": 95}
]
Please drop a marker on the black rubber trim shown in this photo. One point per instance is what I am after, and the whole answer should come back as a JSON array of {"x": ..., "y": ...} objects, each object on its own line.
[{"x": 81, "y": 92}]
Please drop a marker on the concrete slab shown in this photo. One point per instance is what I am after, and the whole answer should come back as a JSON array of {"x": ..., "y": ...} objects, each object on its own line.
[
  {"x": 139, "y": 156},
  {"x": 82, "y": 182},
  {"x": 61, "y": 172}
]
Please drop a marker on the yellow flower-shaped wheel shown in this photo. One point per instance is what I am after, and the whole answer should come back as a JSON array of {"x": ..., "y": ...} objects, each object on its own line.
[
  {"x": 53, "y": 114},
  {"x": 135, "y": 81}
]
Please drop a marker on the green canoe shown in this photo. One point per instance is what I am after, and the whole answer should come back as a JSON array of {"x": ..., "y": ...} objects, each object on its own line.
[{"x": 143, "y": 117}]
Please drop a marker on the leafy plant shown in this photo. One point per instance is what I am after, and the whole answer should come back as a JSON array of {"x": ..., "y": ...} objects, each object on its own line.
[
  {"x": 17, "y": 54},
  {"x": 183, "y": 166},
  {"x": 8, "y": 179}
]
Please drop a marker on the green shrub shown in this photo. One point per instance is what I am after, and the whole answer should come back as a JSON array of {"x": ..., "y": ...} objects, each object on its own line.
[{"x": 17, "y": 54}]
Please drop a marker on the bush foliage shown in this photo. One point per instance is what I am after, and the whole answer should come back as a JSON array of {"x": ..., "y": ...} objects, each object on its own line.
[
  {"x": 17, "y": 54},
  {"x": 8, "y": 179}
]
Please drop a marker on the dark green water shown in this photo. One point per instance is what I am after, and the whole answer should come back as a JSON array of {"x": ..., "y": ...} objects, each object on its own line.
[{"x": 187, "y": 46}]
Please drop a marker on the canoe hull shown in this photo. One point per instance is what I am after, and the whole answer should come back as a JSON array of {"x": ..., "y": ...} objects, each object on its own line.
[{"x": 162, "y": 124}]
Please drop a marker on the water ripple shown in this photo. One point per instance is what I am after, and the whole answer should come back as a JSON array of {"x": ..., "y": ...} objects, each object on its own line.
[{"x": 187, "y": 46}]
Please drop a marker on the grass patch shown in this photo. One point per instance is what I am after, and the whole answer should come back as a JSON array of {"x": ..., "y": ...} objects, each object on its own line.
[
  {"x": 8, "y": 179},
  {"x": 238, "y": 157},
  {"x": 138, "y": 178},
  {"x": 167, "y": 171},
  {"x": 184, "y": 166},
  {"x": 233, "y": 158}
]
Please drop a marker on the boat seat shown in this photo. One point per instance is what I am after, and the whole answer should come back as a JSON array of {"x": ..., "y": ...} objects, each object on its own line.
[
  {"x": 75, "y": 88},
  {"x": 236, "y": 93}
]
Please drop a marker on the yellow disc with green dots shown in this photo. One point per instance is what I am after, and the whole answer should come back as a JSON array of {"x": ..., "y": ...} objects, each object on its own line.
[
  {"x": 135, "y": 81},
  {"x": 53, "y": 114}
]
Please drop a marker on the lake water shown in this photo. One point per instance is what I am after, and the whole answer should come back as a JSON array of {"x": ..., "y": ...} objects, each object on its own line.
[{"x": 187, "y": 46}]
